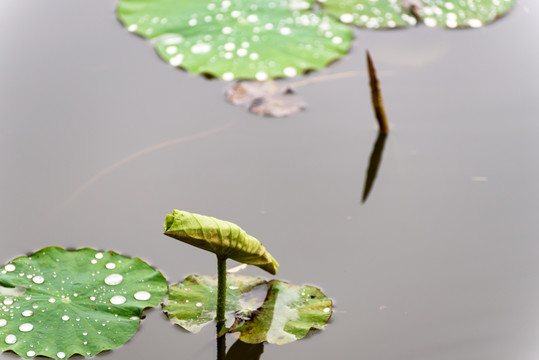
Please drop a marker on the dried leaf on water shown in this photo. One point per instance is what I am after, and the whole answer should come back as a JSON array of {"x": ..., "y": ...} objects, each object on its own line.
[{"x": 265, "y": 98}]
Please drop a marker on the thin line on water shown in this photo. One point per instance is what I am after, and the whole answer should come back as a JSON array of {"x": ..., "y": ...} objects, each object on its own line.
[{"x": 136, "y": 155}]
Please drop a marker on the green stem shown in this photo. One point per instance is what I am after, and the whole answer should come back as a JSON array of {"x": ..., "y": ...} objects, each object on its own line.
[{"x": 221, "y": 290}]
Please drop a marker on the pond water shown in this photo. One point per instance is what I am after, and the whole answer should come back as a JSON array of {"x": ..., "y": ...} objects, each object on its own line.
[{"x": 100, "y": 139}]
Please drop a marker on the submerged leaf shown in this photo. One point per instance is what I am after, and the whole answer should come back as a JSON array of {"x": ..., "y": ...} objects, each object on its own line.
[
  {"x": 238, "y": 39},
  {"x": 74, "y": 302},
  {"x": 223, "y": 238},
  {"x": 288, "y": 314},
  {"x": 383, "y": 14},
  {"x": 265, "y": 98},
  {"x": 191, "y": 304}
]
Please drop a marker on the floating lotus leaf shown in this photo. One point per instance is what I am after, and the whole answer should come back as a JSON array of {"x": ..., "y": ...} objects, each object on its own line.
[
  {"x": 288, "y": 314},
  {"x": 192, "y": 303},
  {"x": 385, "y": 14},
  {"x": 274, "y": 311},
  {"x": 238, "y": 39},
  {"x": 57, "y": 303},
  {"x": 223, "y": 238},
  {"x": 458, "y": 13}
]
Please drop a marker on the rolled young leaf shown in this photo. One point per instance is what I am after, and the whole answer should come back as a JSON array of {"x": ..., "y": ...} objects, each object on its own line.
[{"x": 223, "y": 238}]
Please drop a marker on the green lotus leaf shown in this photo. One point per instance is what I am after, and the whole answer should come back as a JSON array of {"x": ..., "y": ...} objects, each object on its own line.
[
  {"x": 57, "y": 303},
  {"x": 238, "y": 39},
  {"x": 383, "y": 14},
  {"x": 288, "y": 314},
  {"x": 191, "y": 304},
  {"x": 455, "y": 13},
  {"x": 223, "y": 238},
  {"x": 373, "y": 14}
]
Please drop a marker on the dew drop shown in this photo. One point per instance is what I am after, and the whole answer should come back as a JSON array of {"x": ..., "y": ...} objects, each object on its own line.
[
  {"x": 347, "y": 18},
  {"x": 10, "y": 267},
  {"x": 232, "y": 287},
  {"x": 176, "y": 60},
  {"x": 92, "y": 298},
  {"x": 261, "y": 76},
  {"x": 229, "y": 46},
  {"x": 94, "y": 261},
  {"x": 61, "y": 355},
  {"x": 31, "y": 353},
  {"x": 241, "y": 52},
  {"x": 201, "y": 48},
  {"x": 84, "y": 333},
  {"x": 144, "y": 295},
  {"x": 52, "y": 300},
  {"x": 8, "y": 301},
  {"x": 198, "y": 304},
  {"x": 253, "y": 56},
  {"x": 430, "y": 22},
  {"x": 117, "y": 300},
  {"x": 132, "y": 27},
  {"x": 227, "y": 30},
  {"x": 26, "y": 327},
  {"x": 65, "y": 317},
  {"x": 11, "y": 339},
  {"x": 3, "y": 322},
  {"x": 285, "y": 31},
  {"x": 252, "y": 18},
  {"x": 326, "y": 310},
  {"x": 27, "y": 313},
  {"x": 290, "y": 71},
  {"x": 98, "y": 256},
  {"x": 114, "y": 279},
  {"x": 475, "y": 23},
  {"x": 38, "y": 279}
]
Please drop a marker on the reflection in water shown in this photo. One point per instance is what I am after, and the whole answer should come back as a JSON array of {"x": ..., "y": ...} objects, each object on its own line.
[
  {"x": 138, "y": 154},
  {"x": 239, "y": 350},
  {"x": 374, "y": 163}
]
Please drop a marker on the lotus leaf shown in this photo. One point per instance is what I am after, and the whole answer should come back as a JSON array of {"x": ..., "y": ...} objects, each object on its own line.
[
  {"x": 191, "y": 304},
  {"x": 288, "y": 314},
  {"x": 238, "y": 39},
  {"x": 385, "y": 14},
  {"x": 57, "y": 303},
  {"x": 223, "y": 238},
  {"x": 274, "y": 311}
]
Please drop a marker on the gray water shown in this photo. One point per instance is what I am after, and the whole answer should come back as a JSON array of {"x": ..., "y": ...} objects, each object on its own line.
[{"x": 441, "y": 262}]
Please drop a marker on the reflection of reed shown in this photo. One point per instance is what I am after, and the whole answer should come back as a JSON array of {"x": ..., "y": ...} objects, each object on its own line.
[{"x": 374, "y": 164}]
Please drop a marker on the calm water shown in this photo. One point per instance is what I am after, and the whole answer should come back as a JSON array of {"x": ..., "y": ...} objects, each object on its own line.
[{"x": 441, "y": 262}]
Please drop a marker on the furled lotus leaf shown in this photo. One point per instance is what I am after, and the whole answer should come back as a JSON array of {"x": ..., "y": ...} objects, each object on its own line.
[
  {"x": 192, "y": 303},
  {"x": 238, "y": 39},
  {"x": 223, "y": 238},
  {"x": 385, "y": 14},
  {"x": 57, "y": 303},
  {"x": 288, "y": 314}
]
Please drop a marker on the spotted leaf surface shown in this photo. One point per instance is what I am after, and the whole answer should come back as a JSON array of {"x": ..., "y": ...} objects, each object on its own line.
[
  {"x": 385, "y": 14},
  {"x": 372, "y": 14},
  {"x": 192, "y": 303},
  {"x": 288, "y": 314},
  {"x": 223, "y": 238},
  {"x": 57, "y": 303},
  {"x": 238, "y": 39},
  {"x": 458, "y": 13}
]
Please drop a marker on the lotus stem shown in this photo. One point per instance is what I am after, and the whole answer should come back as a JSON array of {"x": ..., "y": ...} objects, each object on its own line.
[{"x": 221, "y": 292}]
